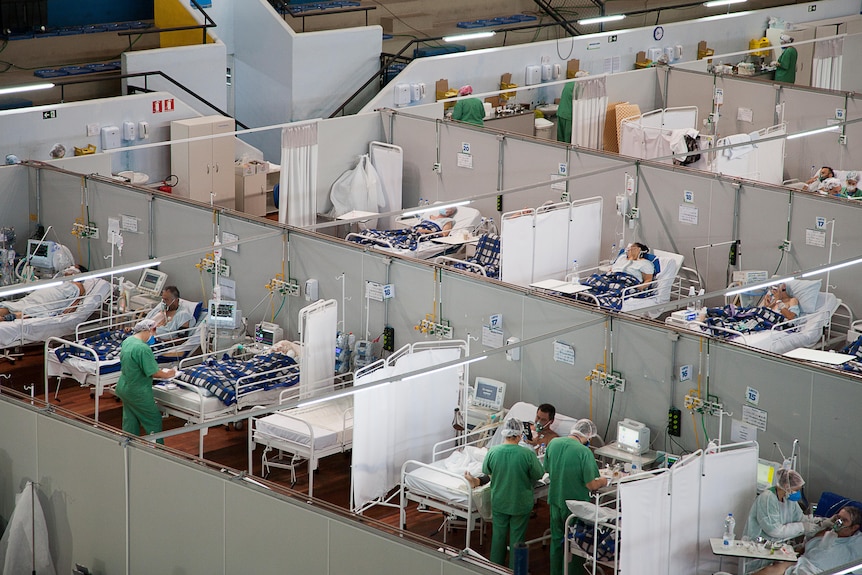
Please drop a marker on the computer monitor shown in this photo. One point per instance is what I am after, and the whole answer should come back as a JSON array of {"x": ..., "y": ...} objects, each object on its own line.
[
  {"x": 488, "y": 394},
  {"x": 223, "y": 314},
  {"x": 152, "y": 282},
  {"x": 632, "y": 436},
  {"x": 267, "y": 333},
  {"x": 40, "y": 254}
]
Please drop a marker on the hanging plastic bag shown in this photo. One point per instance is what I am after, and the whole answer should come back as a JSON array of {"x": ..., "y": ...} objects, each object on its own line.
[{"x": 357, "y": 189}]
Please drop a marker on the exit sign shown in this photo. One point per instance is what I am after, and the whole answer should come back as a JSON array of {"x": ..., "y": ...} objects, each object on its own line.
[
  {"x": 166, "y": 105},
  {"x": 49, "y": 114}
]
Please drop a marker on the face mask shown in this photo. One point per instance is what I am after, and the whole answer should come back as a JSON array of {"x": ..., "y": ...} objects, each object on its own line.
[
  {"x": 587, "y": 443},
  {"x": 821, "y": 178},
  {"x": 838, "y": 525},
  {"x": 795, "y": 496},
  {"x": 443, "y": 212},
  {"x": 152, "y": 340},
  {"x": 539, "y": 426},
  {"x": 851, "y": 188}
]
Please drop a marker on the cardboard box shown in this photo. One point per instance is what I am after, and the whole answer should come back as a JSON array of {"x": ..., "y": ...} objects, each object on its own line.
[{"x": 573, "y": 66}]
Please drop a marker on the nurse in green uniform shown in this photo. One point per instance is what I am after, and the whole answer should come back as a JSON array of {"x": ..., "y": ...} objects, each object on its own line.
[
  {"x": 138, "y": 367},
  {"x": 513, "y": 469},
  {"x": 469, "y": 110},
  {"x": 573, "y": 473},
  {"x": 564, "y": 114},
  {"x": 785, "y": 67}
]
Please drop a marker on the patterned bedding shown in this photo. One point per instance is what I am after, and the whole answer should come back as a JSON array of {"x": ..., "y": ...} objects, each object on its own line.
[
  {"x": 855, "y": 348},
  {"x": 608, "y": 289},
  {"x": 400, "y": 239},
  {"x": 221, "y": 376},
  {"x": 741, "y": 319},
  {"x": 107, "y": 346}
]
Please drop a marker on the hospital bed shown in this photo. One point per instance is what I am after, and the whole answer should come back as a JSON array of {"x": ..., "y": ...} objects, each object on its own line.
[
  {"x": 666, "y": 282},
  {"x": 92, "y": 358},
  {"x": 225, "y": 382},
  {"x": 38, "y": 329},
  {"x": 806, "y": 330},
  {"x": 441, "y": 485},
  {"x": 303, "y": 435},
  {"x": 423, "y": 246},
  {"x": 486, "y": 260}
]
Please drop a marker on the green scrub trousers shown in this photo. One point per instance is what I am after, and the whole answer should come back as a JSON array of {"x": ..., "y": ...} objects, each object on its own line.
[
  {"x": 514, "y": 469},
  {"x": 570, "y": 466},
  {"x": 135, "y": 388}
]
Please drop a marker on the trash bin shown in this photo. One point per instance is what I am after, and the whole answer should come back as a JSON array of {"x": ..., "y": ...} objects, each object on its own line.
[{"x": 544, "y": 129}]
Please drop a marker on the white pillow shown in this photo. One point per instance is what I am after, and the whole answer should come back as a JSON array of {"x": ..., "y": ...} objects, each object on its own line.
[{"x": 806, "y": 292}]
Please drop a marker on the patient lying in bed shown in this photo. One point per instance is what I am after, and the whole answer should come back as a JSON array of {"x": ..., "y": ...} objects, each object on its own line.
[
  {"x": 630, "y": 275},
  {"x": 47, "y": 302}
]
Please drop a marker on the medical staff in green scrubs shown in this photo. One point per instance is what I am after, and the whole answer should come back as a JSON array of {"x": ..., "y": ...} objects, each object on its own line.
[
  {"x": 785, "y": 67},
  {"x": 573, "y": 473},
  {"x": 469, "y": 110},
  {"x": 564, "y": 114},
  {"x": 138, "y": 367},
  {"x": 513, "y": 469}
]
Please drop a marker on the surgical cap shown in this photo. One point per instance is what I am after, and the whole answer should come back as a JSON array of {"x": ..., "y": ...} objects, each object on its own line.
[
  {"x": 830, "y": 183},
  {"x": 852, "y": 176},
  {"x": 465, "y": 90},
  {"x": 144, "y": 325},
  {"x": 585, "y": 428},
  {"x": 789, "y": 480},
  {"x": 512, "y": 428},
  {"x": 785, "y": 39}
]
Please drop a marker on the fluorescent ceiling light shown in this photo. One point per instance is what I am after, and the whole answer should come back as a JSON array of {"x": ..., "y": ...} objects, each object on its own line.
[
  {"x": 714, "y": 3},
  {"x": 601, "y": 19},
  {"x": 116, "y": 271},
  {"x": 434, "y": 208},
  {"x": 29, "y": 287},
  {"x": 27, "y": 88},
  {"x": 758, "y": 286},
  {"x": 833, "y": 267},
  {"x": 725, "y": 15},
  {"x": 470, "y": 36},
  {"x": 812, "y": 132}
]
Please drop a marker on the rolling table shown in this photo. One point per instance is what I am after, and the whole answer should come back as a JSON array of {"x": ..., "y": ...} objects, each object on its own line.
[
  {"x": 611, "y": 451},
  {"x": 560, "y": 286},
  {"x": 744, "y": 552}
]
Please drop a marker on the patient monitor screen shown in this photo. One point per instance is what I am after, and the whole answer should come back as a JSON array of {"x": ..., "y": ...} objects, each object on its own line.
[
  {"x": 488, "y": 393},
  {"x": 39, "y": 253},
  {"x": 223, "y": 314},
  {"x": 152, "y": 282}
]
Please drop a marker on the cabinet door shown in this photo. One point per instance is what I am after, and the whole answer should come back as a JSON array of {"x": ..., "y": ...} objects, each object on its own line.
[{"x": 222, "y": 161}]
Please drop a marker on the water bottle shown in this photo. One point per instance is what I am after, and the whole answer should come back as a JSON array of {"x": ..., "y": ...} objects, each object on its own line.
[
  {"x": 541, "y": 450},
  {"x": 729, "y": 527},
  {"x": 699, "y": 302},
  {"x": 574, "y": 275},
  {"x": 691, "y": 304},
  {"x": 421, "y": 202},
  {"x": 613, "y": 253}
]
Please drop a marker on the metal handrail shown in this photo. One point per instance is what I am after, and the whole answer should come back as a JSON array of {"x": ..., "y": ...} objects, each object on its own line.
[{"x": 145, "y": 75}]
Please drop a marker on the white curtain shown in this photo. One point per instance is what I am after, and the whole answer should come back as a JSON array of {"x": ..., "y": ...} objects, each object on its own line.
[
  {"x": 589, "y": 107},
  {"x": 400, "y": 421},
  {"x": 646, "y": 515},
  {"x": 17, "y": 553},
  {"x": 317, "y": 363},
  {"x": 297, "y": 204},
  {"x": 828, "y": 62},
  {"x": 517, "y": 243}
]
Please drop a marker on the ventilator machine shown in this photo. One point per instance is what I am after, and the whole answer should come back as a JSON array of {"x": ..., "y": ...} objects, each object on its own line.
[
  {"x": 484, "y": 401},
  {"x": 148, "y": 292}
]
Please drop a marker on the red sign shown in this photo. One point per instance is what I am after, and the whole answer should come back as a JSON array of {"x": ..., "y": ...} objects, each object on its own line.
[{"x": 166, "y": 105}]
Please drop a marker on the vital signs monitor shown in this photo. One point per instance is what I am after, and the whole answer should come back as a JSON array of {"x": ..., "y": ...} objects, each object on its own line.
[
  {"x": 632, "y": 436},
  {"x": 223, "y": 314}
]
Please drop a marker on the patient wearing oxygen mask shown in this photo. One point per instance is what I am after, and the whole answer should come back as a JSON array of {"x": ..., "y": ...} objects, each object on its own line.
[
  {"x": 170, "y": 318},
  {"x": 47, "y": 302},
  {"x": 839, "y": 544}
]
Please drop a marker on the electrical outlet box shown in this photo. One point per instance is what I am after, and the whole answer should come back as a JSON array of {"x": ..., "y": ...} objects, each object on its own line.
[
  {"x": 674, "y": 422},
  {"x": 499, "y": 203},
  {"x": 388, "y": 338},
  {"x": 785, "y": 246},
  {"x": 437, "y": 167},
  {"x": 92, "y": 130}
]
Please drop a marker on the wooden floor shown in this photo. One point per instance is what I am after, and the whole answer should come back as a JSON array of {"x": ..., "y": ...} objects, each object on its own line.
[{"x": 228, "y": 447}]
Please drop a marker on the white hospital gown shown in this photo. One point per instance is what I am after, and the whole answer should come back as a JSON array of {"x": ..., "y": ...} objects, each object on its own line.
[
  {"x": 636, "y": 268},
  {"x": 46, "y": 302}
]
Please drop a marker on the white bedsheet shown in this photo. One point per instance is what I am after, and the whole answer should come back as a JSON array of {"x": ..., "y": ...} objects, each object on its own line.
[
  {"x": 38, "y": 329},
  {"x": 326, "y": 421}
]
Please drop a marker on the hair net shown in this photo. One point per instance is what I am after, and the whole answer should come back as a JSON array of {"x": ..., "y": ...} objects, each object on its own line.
[
  {"x": 789, "y": 480},
  {"x": 785, "y": 39},
  {"x": 852, "y": 176},
  {"x": 465, "y": 90},
  {"x": 585, "y": 428},
  {"x": 512, "y": 428},
  {"x": 144, "y": 325},
  {"x": 830, "y": 183}
]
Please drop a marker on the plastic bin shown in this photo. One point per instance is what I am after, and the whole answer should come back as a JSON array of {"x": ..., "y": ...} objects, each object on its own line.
[{"x": 544, "y": 129}]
